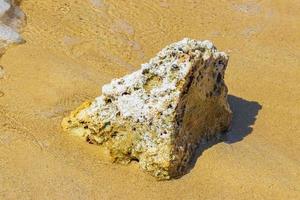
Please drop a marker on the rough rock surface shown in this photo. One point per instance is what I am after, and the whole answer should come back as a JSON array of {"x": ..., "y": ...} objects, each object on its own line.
[{"x": 159, "y": 114}]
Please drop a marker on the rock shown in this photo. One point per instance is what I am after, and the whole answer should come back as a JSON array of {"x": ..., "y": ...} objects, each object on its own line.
[
  {"x": 159, "y": 114},
  {"x": 12, "y": 19}
]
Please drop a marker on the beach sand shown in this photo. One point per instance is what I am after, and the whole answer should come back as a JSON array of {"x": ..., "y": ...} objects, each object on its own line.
[{"x": 74, "y": 47}]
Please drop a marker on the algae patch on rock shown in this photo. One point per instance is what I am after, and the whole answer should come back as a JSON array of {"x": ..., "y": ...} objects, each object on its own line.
[{"x": 159, "y": 114}]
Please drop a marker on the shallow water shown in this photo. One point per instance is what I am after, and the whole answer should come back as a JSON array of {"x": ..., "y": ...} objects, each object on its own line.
[{"x": 74, "y": 47}]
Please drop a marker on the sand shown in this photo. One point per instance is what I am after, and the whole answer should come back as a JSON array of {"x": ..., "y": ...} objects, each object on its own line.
[{"x": 74, "y": 47}]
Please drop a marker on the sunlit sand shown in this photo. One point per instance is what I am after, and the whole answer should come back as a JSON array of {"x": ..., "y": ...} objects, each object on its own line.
[{"x": 74, "y": 47}]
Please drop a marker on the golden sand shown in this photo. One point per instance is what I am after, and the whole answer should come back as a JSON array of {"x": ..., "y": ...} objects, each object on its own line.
[{"x": 74, "y": 47}]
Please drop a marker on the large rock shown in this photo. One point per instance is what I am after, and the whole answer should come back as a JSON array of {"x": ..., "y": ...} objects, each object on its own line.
[{"x": 159, "y": 114}]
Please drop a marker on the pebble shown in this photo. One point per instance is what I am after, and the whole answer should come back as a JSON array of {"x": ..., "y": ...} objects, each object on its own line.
[{"x": 2, "y": 72}]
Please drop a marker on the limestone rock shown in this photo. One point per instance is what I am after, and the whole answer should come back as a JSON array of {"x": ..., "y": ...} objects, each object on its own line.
[{"x": 159, "y": 114}]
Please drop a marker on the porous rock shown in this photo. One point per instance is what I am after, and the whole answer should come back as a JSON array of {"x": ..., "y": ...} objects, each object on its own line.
[{"x": 159, "y": 114}]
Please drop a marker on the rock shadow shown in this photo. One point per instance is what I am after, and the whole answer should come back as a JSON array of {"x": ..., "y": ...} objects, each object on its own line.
[{"x": 244, "y": 116}]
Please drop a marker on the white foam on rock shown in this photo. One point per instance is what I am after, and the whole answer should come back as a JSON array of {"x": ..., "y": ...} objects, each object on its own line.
[
  {"x": 4, "y": 7},
  {"x": 9, "y": 35},
  {"x": 9, "y": 23}
]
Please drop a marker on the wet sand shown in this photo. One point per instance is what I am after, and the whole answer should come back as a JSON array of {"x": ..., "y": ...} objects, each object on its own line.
[{"x": 74, "y": 47}]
